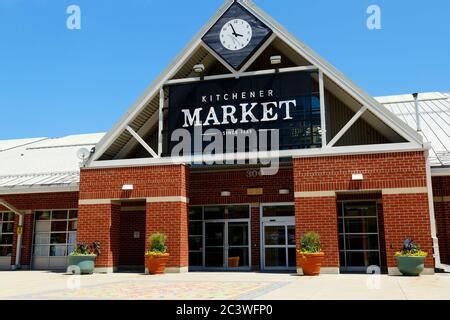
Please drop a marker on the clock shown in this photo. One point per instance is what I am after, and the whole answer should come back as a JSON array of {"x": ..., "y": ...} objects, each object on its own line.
[{"x": 236, "y": 35}]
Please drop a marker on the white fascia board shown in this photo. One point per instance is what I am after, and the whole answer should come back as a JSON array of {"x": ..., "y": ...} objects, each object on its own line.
[
  {"x": 304, "y": 153},
  {"x": 330, "y": 71},
  {"x": 39, "y": 189},
  {"x": 440, "y": 171},
  {"x": 153, "y": 89}
]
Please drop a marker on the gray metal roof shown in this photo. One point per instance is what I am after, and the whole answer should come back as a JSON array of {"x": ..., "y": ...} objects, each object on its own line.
[
  {"x": 434, "y": 110},
  {"x": 27, "y": 164}
]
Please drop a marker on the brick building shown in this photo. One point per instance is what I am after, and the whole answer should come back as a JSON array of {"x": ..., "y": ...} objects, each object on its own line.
[{"x": 365, "y": 173}]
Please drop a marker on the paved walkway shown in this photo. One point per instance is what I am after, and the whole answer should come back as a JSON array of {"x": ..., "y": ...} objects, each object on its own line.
[{"x": 50, "y": 285}]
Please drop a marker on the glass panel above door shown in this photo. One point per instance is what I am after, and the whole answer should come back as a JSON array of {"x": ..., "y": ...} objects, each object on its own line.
[{"x": 279, "y": 211}]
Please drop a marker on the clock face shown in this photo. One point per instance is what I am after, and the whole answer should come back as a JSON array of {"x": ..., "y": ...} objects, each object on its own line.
[{"x": 236, "y": 34}]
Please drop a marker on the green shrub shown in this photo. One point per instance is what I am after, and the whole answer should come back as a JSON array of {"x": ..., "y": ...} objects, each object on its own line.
[
  {"x": 310, "y": 243},
  {"x": 410, "y": 249},
  {"x": 157, "y": 244}
]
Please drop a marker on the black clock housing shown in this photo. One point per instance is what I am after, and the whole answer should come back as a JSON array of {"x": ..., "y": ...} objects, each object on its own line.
[{"x": 237, "y": 59}]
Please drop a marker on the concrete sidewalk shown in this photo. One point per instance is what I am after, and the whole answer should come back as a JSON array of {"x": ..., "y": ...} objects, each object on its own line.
[{"x": 200, "y": 285}]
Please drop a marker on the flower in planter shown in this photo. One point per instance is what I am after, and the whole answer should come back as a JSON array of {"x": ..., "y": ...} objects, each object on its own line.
[
  {"x": 82, "y": 249},
  {"x": 411, "y": 259},
  {"x": 410, "y": 249}
]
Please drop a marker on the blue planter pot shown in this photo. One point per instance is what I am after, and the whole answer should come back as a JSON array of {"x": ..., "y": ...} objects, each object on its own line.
[
  {"x": 410, "y": 266},
  {"x": 85, "y": 264}
]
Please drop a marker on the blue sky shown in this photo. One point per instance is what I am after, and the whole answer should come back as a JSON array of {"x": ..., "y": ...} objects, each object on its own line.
[{"x": 55, "y": 81}]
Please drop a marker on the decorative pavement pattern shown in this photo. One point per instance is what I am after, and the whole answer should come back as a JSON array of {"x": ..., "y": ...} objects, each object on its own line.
[{"x": 161, "y": 290}]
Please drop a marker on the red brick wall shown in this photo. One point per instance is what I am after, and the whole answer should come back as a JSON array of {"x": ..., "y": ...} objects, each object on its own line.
[
  {"x": 387, "y": 170},
  {"x": 441, "y": 192},
  {"x": 255, "y": 238},
  {"x": 205, "y": 187},
  {"x": 42, "y": 201},
  {"x": 101, "y": 223},
  {"x": 150, "y": 181},
  {"x": 131, "y": 249},
  {"x": 319, "y": 215},
  {"x": 407, "y": 216},
  {"x": 170, "y": 218},
  {"x": 404, "y": 215}
]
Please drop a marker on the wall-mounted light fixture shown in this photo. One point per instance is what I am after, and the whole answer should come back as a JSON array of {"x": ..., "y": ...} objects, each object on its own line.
[
  {"x": 127, "y": 187},
  {"x": 199, "y": 68},
  {"x": 357, "y": 177},
  {"x": 225, "y": 194},
  {"x": 284, "y": 191},
  {"x": 275, "y": 60}
]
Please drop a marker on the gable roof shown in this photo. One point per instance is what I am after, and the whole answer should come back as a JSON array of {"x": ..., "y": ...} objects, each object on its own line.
[{"x": 329, "y": 71}]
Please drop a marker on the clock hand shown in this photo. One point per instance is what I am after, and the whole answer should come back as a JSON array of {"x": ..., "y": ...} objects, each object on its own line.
[{"x": 234, "y": 31}]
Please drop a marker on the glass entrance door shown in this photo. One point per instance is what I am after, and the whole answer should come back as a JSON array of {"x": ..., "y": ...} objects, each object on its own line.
[
  {"x": 215, "y": 244},
  {"x": 238, "y": 249},
  {"x": 278, "y": 236},
  {"x": 227, "y": 245},
  {"x": 359, "y": 244},
  {"x": 279, "y": 246}
]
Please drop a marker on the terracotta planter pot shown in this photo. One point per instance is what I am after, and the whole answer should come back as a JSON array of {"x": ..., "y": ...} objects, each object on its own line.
[
  {"x": 233, "y": 262},
  {"x": 311, "y": 262},
  {"x": 156, "y": 264}
]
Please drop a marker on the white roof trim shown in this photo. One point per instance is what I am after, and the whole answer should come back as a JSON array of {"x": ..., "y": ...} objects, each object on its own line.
[
  {"x": 39, "y": 189},
  {"x": 374, "y": 106}
]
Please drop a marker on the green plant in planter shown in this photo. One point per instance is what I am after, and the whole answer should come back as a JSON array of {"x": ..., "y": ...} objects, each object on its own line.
[
  {"x": 411, "y": 259},
  {"x": 310, "y": 254},
  {"x": 157, "y": 245},
  {"x": 310, "y": 243},
  {"x": 82, "y": 258},
  {"x": 82, "y": 249}
]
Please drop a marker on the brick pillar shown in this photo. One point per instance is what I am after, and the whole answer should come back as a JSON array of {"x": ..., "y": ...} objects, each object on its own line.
[
  {"x": 255, "y": 238},
  {"x": 170, "y": 218},
  {"x": 27, "y": 238},
  {"x": 101, "y": 222},
  {"x": 319, "y": 214},
  {"x": 406, "y": 216}
]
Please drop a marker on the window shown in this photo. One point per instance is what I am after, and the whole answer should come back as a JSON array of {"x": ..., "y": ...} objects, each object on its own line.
[
  {"x": 55, "y": 233},
  {"x": 6, "y": 233},
  {"x": 359, "y": 244},
  {"x": 278, "y": 211}
]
